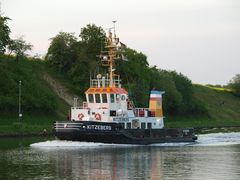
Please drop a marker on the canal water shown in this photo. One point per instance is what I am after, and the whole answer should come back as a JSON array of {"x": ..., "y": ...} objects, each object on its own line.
[{"x": 214, "y": 156}]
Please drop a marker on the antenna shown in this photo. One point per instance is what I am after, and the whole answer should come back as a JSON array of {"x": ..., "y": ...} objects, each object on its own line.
[{"x": 114, "y": 28}]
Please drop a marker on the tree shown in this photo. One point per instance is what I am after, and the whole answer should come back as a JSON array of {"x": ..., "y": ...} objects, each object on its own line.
[
  {"x": 4, "y": 34},
  {"x": 93, "y": 37},
  {"x": 135, "y": 75},
  {"x": 76, "y": 59},
  {"x": 185, "y": 87},
  {"x": 61, "y": 51},
  {"x": 162, "y": 80},
  {"x": 19, "y": 46},
  {"x": 234, "y": 84}
]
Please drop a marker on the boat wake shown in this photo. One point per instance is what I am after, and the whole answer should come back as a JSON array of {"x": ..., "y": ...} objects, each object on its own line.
[
  {"x": 214, "y": 139},
  {"x": 62, "y": 144},
  {"x": 218, "y": 139}
]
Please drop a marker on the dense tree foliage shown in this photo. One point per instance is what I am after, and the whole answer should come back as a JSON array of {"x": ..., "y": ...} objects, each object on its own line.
[
  {"x": 92, "y": 38},
  {"x": 19, "y": 47},
  {"x": 4, "y": 34},
  {"x": 60, "y": 53},
  {"x": 77, "y": 58},
  {"x": 135, "y": 76},
  {"x": 234, "y": 84}
]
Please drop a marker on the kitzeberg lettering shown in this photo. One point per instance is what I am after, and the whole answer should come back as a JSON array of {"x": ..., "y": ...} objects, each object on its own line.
[{"x": 99, "y": 127}]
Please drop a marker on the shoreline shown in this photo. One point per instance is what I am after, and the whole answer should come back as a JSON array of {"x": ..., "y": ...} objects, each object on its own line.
[{"x": 12, "y": 135}]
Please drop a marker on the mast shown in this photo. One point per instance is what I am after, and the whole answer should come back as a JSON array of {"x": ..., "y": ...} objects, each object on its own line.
[{"x": 110, "y": 55}]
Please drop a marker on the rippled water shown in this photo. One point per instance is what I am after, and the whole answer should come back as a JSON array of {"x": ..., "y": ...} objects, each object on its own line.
[{"x": 214, "y": 156}]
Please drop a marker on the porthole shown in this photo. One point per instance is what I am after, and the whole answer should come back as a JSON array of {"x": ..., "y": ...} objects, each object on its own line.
[{"x": 123, "y": 98}]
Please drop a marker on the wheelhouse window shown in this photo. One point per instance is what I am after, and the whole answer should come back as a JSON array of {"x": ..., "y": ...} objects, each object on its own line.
[
  {"x": 104, "y": 98},
  {"x": 143, "y": 125},
  {"x": 117, "y": 97},
  {"x": 149, "y": 125},
  {"x": 90, "y": 98},
  {"x": 97, "y": 98},
  {"x": 129, "y": 125},
  {"x": 112, "y": 98}
]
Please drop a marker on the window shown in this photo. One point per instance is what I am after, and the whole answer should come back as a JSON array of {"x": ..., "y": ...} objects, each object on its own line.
[
  {"x": 128, "y": 125},
  {"x": 97, "y": 98},
  {"x": 104, "y": 98},
  {"x": 112, "y": 98},
  {"x": 90, "y": 98},
  {"x": 123, "y": 97},
  {"x": 117, "y": 97},
  {"x": 143, "y": 125},
  {"x": 149, "y": 125}
]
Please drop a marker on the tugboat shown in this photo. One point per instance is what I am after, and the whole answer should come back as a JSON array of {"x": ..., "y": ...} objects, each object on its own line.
[{"x": 109, "y": 116}]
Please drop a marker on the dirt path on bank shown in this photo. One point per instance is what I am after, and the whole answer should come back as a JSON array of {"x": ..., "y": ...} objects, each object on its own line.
[{"x": 60, "y": 90}]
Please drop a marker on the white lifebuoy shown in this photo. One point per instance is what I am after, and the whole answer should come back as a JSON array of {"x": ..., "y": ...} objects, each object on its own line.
[
  {"x": 80, "y": 116},
  {"x": 97, "y": 116}
]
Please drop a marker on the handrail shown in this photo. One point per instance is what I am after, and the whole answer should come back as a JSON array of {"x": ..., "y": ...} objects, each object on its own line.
[{"x": 95, "y": 83}]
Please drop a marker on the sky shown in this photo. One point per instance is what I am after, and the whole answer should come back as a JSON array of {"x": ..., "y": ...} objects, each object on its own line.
[{"x": 198, "y": 38}]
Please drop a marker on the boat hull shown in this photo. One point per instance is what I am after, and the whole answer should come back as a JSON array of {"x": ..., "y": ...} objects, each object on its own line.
[{"x": 113, "y": 133}]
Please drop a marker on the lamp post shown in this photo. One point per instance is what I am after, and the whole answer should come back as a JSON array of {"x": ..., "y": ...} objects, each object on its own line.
[{"x": 19, "y": 102}]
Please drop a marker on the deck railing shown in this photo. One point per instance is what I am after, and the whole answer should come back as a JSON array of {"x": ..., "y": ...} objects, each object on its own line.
[
  {"x": 97, "y": 83},
  {"x": 84, "y": 106}
]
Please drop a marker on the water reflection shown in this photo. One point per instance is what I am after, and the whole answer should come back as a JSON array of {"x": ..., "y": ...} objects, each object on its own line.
[
  {"x": 109, "y": 163},
  {"x": 149, "y": 163},
  {"x": 99, "y": 161}
]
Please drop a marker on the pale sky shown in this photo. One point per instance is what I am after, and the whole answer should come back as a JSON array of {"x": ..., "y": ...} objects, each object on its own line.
[{"x": 199, "y": 38}]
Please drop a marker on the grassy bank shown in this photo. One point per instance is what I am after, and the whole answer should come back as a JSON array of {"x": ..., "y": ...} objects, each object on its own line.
[
  {"x": 222, "y": 106},
  {"x": 40, "y": 105},
  {"x": 31, "y": 124}
]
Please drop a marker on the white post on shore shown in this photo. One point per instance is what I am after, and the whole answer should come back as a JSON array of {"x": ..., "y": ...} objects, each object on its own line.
[{"x": 19, "y": 102}]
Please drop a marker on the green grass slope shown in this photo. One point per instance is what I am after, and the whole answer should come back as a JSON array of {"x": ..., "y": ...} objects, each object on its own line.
[
  {"x": 40, "y": 105},
  {"x": 221, "y": 103},
  {"x": 222, "y": 106}
]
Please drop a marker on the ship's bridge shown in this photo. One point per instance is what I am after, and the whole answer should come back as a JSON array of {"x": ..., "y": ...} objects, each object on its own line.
[
  {"x": 111, "y": 101},
  {"x": 104, "y": 101}
]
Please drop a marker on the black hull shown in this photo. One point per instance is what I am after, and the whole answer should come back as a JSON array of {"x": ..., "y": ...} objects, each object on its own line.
[{"x": 113, "y": 133}]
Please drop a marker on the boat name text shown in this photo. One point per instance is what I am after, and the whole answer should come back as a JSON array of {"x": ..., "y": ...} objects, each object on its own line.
[{"x": 99, "y": 127}]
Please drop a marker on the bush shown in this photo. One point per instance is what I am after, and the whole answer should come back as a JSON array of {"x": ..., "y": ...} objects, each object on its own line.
[{"x": 234, "y": 84}]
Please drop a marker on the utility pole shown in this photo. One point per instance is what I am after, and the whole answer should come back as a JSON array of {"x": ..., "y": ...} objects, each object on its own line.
[{"x": 19, "y": 102}]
